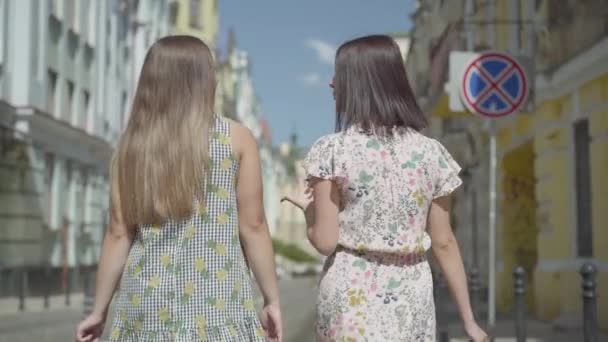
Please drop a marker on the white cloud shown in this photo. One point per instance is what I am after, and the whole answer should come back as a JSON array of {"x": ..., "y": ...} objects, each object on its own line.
[
  {"x": 310, "y": 79},
  {"x": 324, "y": 50}
]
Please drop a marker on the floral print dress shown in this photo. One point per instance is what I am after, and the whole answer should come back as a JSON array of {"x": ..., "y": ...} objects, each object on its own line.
[
  {"x": 377, "y": 286},
  {"x": 188, "y": 281}
]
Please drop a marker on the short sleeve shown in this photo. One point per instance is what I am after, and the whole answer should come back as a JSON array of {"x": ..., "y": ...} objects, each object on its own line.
[
  {"x": 446, "y": 176},
  {"x": 322, "y": 160}
]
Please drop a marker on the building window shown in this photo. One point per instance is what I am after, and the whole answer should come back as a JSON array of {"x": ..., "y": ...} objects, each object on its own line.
[
  {"x": 54, "y": 31},
  {"x": 86, "y": 109},
  {"x": 69, "y": 178},
  {"x": 49, "y": 171},
  {"x": 84, "y": 176},
  {"x": 69, "y": 100},
  {"x": 124, "y": 110},
  {"x": 538, "y": 4},
  {"x": 51, "y": 91},
  {"x": 584, "y": 232},
  {"x": 49, "y": 168},
  {"x": 195, "y": 14},
  {"x": 89, "y": 55}
]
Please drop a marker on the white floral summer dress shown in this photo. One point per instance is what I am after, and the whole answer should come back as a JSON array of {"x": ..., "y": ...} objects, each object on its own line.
[{"x": 377, "y": 286}]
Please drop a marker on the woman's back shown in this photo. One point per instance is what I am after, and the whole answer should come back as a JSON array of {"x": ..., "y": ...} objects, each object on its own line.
[
  {"x": 184, "y": 275},
  {"x": 377, "y": 284},
  {"x": 189, "y": 278},
  {"x": 379, "y": 195},
  {"x": 386, "y": 184}
]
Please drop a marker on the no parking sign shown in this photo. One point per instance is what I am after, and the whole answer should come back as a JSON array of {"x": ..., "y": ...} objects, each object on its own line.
[{"x": 494, "y": 85}]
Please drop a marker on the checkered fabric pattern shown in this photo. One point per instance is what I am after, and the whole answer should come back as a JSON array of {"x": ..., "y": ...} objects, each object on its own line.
[{"x": 188, "y": 281}]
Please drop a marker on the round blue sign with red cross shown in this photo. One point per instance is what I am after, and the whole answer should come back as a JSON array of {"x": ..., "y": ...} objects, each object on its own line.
[{"x": 494, "y": 84}]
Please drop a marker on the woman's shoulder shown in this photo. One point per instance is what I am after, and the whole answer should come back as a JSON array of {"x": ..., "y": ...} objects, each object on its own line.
[
  {"x": 425, "y": 142},
  {"x": 326, "y": 139},
  {"x": 241, "y": 137},
  {"x": 330, "y": 144}
]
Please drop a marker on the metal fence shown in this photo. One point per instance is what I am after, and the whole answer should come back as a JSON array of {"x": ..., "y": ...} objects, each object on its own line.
[{"x": 28, "y": 283}]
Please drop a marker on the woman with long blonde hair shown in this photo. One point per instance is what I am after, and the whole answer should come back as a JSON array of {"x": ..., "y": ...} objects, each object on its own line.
[{"x": 186, "y": 213}]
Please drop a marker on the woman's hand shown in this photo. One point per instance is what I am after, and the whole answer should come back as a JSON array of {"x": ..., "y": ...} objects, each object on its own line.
[
  {"x": 302, "y": 198},
  {"x": 91, "y": 328},
  {"x": 475, "y": 333},
  {"x": 270, "y": 318}
]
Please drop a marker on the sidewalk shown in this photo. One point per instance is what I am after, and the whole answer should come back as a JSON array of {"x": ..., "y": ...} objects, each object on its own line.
[
  {"x": 10, "y": 306},
  {"x": 58, "y": 323},
  {"x": 504, "y": 329},
  {"x": 536, "y": 331},
  {"x": 35, "y": 323}
]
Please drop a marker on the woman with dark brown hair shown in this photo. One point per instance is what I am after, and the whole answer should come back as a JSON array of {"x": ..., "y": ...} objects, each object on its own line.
[
  {"x": 186, "y": 209},
  {"x": 377, "y": 200}
]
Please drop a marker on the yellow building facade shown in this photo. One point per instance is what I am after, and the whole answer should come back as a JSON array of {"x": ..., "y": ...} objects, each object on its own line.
[
  {"x": 552, "y": 166},
  {"x": 198, "y": 18},
  {"x": 544, "y": 144},
  {"x": 291, "y": 227}
]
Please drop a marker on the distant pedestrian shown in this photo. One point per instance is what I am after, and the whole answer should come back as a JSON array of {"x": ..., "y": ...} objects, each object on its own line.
[
  {"x": 186, "y": 214},
  {"x": 378, "y": 199}
]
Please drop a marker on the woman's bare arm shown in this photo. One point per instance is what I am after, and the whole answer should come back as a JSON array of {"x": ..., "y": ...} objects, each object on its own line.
[
  {"x": 254, "y": 233},
  {"x": 114, "y": 252},
  {"x": 446, "y": 251},
  {"x": 322, "y": 216}
]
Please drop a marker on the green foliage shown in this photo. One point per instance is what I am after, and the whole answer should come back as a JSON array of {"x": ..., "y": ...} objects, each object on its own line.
[{"x": 292, "y": 252}]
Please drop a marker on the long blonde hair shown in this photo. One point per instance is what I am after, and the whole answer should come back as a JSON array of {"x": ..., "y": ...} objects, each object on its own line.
[{"x": 160, "y": 163}]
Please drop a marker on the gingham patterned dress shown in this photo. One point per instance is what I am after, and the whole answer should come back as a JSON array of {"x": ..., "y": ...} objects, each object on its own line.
[{"x": 188, "y": 281}]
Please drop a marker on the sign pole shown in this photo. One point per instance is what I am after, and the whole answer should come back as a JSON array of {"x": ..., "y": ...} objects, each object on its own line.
[
  {"x": 494, "y": 85},
  {"x": 492, "y": 230}
]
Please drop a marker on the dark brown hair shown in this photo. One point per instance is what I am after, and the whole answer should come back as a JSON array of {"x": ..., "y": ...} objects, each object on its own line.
[{"x": 371, "y": 87}]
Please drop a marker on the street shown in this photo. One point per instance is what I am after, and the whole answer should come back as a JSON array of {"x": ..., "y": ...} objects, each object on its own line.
[
  {"x": 298, "y": 302},
  {"x": 58, "y": 325}
]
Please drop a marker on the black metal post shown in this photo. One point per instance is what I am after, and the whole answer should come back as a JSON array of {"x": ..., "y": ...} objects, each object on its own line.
[
  {"x": 442, "y": 320},
  {"x": 47, "y": 285},
  {"x": 474, "y": 227},
  {"x": 89, "y": 289},
  {"x": 2, "y": 279},
  {"x": 519, "y": 291},
  {"x": 475, "y": 290},
  {"x": 22, "y": 288},
  {"x": 588, "y": 272},
  {"x": 68, "y": 287}
]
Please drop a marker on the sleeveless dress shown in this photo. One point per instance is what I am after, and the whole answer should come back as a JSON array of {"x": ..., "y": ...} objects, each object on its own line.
[
  {"x": 188, "y": 281},
  {"x": 377, "y": 286}
]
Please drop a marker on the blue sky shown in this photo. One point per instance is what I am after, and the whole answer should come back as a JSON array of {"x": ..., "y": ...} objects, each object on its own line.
[{"x": 291, "y": 44}]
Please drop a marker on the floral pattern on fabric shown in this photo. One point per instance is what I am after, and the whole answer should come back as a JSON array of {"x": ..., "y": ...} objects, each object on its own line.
[
  {"x": 367, "y": 291},
  {"x": 188, "y": 281}
]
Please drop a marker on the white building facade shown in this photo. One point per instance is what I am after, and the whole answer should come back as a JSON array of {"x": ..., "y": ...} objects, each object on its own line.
[
  {"x": 67, "y": 72},
  {"x": 249, "y": 113}
]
